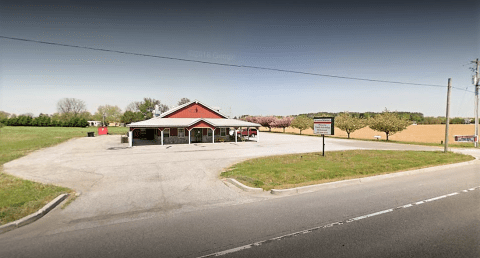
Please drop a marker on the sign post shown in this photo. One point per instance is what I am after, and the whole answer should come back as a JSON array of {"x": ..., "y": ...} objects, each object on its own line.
[{"x": 323, "y": 126}]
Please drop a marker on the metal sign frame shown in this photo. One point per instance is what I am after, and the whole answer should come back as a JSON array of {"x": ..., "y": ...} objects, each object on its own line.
[
  {"x": 324, "y": 123},
  {"x": 466, "y": 138}
]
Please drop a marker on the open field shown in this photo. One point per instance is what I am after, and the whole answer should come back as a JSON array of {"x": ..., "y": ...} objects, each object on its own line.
[
  {"x": 414, "y": 133},
  {"x": 17, "y": 141},
  {"x": 19, "y": 197},
  {"x": 293, "y": 170}
]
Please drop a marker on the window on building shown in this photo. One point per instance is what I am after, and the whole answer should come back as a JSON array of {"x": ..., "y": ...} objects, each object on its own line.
[
  {"x": 173, "y": 132},
  {"x": 181, "y": 132},
  {"x": 209, "y": 132},
  {"x": 166, "y": 133},
  {"x": 223, "y": 132}
]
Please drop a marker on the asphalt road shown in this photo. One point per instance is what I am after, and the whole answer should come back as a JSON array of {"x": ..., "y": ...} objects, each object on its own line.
[
  {"x": 446, "y": 228},
  {"x": 437, "y": 224}
]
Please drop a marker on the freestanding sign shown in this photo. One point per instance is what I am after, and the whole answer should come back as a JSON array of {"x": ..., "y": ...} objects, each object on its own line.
[
  {"x": 466, "y": 138},
  {"x": 323, "y": 126}
]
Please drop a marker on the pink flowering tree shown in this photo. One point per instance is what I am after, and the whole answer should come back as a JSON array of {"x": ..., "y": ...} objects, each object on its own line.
[
  {"x": 283, "y": 122},
  {"x": 251, "y": 119},
  {"x": 265, "y": 121}
]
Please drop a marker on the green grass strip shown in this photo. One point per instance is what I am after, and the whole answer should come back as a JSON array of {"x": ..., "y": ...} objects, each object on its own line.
[
  {"x": 293, "y": 170},
  {"x": 18, "y": 197}
]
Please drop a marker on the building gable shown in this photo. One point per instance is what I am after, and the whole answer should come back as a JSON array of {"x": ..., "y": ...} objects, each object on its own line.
[
  {"x": 194, "y": 110},
  {"x": 201, "y": 124}
]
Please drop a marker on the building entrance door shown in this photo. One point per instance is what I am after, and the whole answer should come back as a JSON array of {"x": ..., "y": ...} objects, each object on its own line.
[{"x": 197, "y": 135}]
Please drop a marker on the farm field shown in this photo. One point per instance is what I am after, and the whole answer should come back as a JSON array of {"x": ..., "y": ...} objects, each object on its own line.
[{"x": 413, "y": 133}]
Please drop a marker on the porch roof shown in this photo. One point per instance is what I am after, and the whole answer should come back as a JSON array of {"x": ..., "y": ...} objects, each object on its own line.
[{"x": 186, "y": 122}]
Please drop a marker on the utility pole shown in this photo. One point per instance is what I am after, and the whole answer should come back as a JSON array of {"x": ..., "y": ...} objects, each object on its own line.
[
  {"x": 475, "y": 82},
  {"x": 448, "y": 113}
]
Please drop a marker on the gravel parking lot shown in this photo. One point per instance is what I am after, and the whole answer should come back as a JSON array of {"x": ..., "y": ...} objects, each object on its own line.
[{"x": 118, "y": 183}]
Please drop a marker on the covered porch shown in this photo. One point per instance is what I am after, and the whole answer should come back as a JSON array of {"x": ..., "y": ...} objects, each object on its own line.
[{"x": 196, "y": 131}]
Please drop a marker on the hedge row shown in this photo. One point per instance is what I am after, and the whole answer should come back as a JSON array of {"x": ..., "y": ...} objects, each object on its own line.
[{"x": 44, "y": 121}]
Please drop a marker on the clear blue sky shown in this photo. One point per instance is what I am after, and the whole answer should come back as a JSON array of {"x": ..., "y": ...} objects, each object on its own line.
[{"x": 412, "y": 41}]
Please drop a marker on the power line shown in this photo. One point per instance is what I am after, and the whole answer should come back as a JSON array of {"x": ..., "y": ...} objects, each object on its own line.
[
  {"x": 460, "y": 89},
  {"x": 224, "y": 64}
]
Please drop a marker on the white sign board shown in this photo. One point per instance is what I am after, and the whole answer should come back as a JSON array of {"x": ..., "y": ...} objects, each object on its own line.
[
  {"x": 466, "y": 138},
  {"x": 323, "y": 125}
]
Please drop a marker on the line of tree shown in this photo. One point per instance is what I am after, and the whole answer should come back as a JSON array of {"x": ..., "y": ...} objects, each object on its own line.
[
  {"x": 387, "y": 122},
  {"x": 415, "y": 117},
  {"x": 411, "y": 116},
  {"x": 270, "y": 121},
  {"x": 72, "y": 112},
  {"x": 43, "y": 120}
]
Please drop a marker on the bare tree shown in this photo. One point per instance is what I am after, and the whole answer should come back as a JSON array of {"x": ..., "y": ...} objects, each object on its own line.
[
  {"x": 111, "y": 114},
  {"x": 163, "y": 108},
  {"x": 71, "y": 106},
  {"x": 183, "y": 101},
  {"x": 133, "y": 106},
  {"x": 29, "y": 114}
]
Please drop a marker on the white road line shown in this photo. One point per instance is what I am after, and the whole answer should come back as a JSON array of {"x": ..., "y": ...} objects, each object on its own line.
[
  {"x": 436, "y": 198},
  {"x": 259, "y": 243},
  {"x": 369, "y": 215},
  {"x": 233, "y": 250}
]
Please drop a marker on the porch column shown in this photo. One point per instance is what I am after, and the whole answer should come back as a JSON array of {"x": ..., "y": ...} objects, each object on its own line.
[
  {"x": 130, "y": 138},
  {"x": 248, "y": 133},
  {"x": 161, "y": 136},
  {"x": 235, "y": 134},
  {"x": 213, "y": 135},
  {"x": 189, "y": 137},
  {"x": 258, "y": 134}
]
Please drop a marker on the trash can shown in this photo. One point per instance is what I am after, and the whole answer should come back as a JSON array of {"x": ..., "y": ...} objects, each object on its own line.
[{"x": 90, "y": 134}]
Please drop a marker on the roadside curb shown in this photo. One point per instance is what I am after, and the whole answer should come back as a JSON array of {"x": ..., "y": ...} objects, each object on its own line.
[
  {"x": 244, "y": 187},
  {"x": 313, "y": 188},
  {"x": 34, "y": 216}
]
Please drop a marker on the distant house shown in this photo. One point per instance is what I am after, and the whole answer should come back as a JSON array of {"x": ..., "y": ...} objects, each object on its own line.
[
  {"x": 193, "y": 122},
  {"x": 94, "y": 123}
]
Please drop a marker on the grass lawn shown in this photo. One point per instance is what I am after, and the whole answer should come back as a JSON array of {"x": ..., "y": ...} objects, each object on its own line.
[
  {"x": 293, "y": 170},
  {"x": 18, "y": 197}
]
